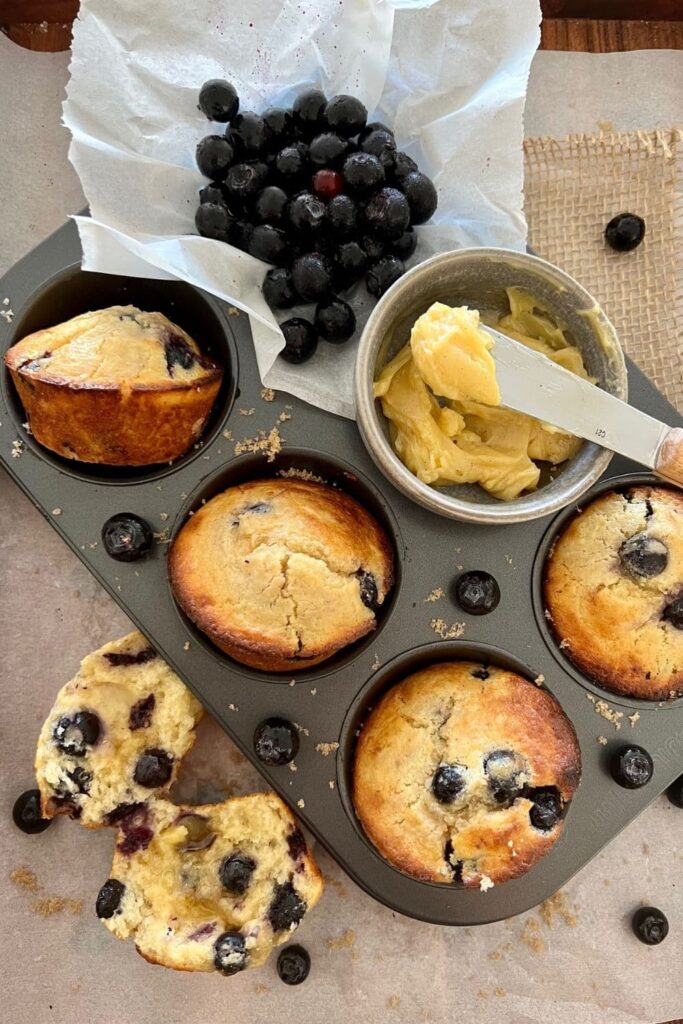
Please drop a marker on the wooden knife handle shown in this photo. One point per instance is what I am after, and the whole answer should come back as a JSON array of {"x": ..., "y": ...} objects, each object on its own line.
[{"x": 669, "y": 462}]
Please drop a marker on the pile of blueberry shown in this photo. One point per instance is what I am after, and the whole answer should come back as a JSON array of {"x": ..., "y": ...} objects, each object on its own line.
[{"x": 317, "y": 192}]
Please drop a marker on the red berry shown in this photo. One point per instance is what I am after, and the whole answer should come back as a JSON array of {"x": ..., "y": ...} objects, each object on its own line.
[{"x": 327, "y": 184}]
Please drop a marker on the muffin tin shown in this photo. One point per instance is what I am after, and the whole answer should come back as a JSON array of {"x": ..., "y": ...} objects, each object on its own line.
[{"x": 328, "y": 702}]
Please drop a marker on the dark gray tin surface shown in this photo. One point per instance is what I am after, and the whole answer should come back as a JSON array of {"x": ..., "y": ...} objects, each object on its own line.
[{"x": 327, "y": 702}]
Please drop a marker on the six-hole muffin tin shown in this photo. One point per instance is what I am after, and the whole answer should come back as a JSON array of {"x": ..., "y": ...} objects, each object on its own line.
[{"x": 328, "y": 702}]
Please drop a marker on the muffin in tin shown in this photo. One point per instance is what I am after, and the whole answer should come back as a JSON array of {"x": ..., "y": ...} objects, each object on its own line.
[
  {"x": 613, "y": 590},
  {"x": 115, "y": 386},
  {"x": 116, "y": 734},
  {"x": 211, "y": 887},
  {"x": 463, "y": 773},
  {"x": 281, "y": 574}
]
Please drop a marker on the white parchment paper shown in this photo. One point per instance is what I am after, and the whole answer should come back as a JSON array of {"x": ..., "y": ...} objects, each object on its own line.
[{"x": 449, "y": 75}]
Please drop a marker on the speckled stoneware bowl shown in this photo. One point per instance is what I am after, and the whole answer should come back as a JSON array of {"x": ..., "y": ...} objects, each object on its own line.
[{"x": 478, "y": 278}]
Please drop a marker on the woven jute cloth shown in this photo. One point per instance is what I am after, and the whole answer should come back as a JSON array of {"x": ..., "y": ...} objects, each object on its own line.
[{"x": 573, "y": 187}]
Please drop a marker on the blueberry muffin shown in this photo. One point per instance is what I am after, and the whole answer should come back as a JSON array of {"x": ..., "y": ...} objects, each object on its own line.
[
  {"x": 212, "y": 887},
  {"x": 614, "y": 591},
  {"x": 280, "y": 574},
  {"x": 116, "y": 734},
  {"x": 117, "y": 386},
  {"x": 463, "y": 774}
]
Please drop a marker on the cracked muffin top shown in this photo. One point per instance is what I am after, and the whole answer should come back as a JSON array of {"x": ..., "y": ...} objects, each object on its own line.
[
  {"x": 463, "y": 774},
  {"x": 116, "y": 733},
  {"x": 614, "y": 592},
  {"x": 212, "y": 887},
  {"x": 281, "y": 574}
]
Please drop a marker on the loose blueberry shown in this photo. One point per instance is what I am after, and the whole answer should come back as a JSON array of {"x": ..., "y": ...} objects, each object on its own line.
[
  {"x": 245, "y": 180},
  {"x": 335, "y": 321},
  {"x": 251, "y": 131},
  {"x": 76, "y": 732},
  {"x": 212, "y": 193},
  {"x": 230, "y": 953},
  {"x": 308, "y": 111},
  {"x": 278, "y": 290},
  {"x": 625, "y": 232},
  {"x": 631, "y": 767},
  {"x": 327, "y": 149},
  {"x": 387, "y": 213},
  {"x": 306, "y": 213},
  {"x": 368, "y": 590},
  {"x": 301, "y": 340},
  {"x": 291, "y": 163},
  {"x": 312, "y": 277},
  {"x": 214, "y": 156},
  {"x": 280, "y": 125},
  {"x": 346, "y": 115},
  {"x": 546, "y": 810},
  {"x": 477, "y": 592},
  {"x": 643, "y": 556},
  {"x": 126, "y": 537},
  {"x": 342, "y": 216},
  {"x": 373, "y": 247},
  {"x": 235, "y": 873},
  {"x": 327, "y": 183},
  {"x": 448, "y": 782},
  {"x": 240, "y": 234},
  {"x": 154, "y": 768},
  {"x": 109, "y": 898},
  {"x": 362, "y": 172},
  {"x": 421, "y": 196},
  {"x": 293, "y": 965},
  {"x": 374, "y": 126},
  {"x": 270, "y": 205},
  {"x": 650, "y": 925},
  {"x": 218, "y": 100},
  {"x": 675, "y": 792},
  {"x": 380, "y": 143},
  {"x": 383, "y": 273},
  {"x": 276, "y": 741},
  {"x": 350, "y": 263},
  {"x": 140, "y": 716},
  {"x": 269, "y": 244},
  {"x": 26, "y": 813},
  {"x": 404, "y": 246},
  {"x": 403, "y": 166},
  {"x": 506, "y": 772},
  {"x": 673, "y": 612},
  {"x": 287, "y": 908}
]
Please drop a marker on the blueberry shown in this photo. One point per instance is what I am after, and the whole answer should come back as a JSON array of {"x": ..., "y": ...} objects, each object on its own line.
[
  {"x": 421, "y": 196},
  {"x": 403, "y": 165},
  {"x": 291, "y": 162},
  {"x": 135, "y": 834},
  {"x": 154, "y": 768},
  {"x": 327, "y": 184},
  {"x": 212, "y": 193},
  {"x": 373, "y": 247},
  {"x": 308, "y": 111},
  {"x": 270, "y": 205},
  {"x": 214, "y": 156},
  {"x": 506, "y": 772},
  {"x": 251, "y": 132},
  {"x": 140, "y": 715},
  {"x": 280, "y": 125},
  {"x": 675, "y": 792},
  {"x": 335, "y": 321},
  {"x": 126, "y": 537},
  {"x": 382, "y": 145},
  {"x": 650, "y": 925},
  {"x": 368, "y": 590},
  {"x": 230, "y": 953},
  {"x": 342, "y": 216},
  {"x": 213, "y": 220},
  {"x": 327, "y": 149},
  {"x": 312, "y": 277},
  {"x": 374, "y": 126},
  {"x": 269, "y": 244},
  {"x": 278, "y": 290},
  {"x": 109, "y": 898},
  {"x": 346, "y": 115},
  {"x": 350, "y": 263},
  {"x": 121, "y": 811},
  {"x": 177, "y": 351},
  {"x": 240, "y": 234},
  {"x": 301, "y": 340},
  {"x": 625, "y": 232},
  {"x": 383, "y": 273},
  {"x": 235, "y": 873},
  {"x": 362, "y": 172},
  {"x": 122, "y": 659},
  {"x": 631, "y": 767},
  {"x": 673, "y": 612},
  {"x": 218, "y": 100},
  {"x": 296, "y": 843},
  {"x": 245, "y": 180},
  {"x": 81, "y": 779},
  {"x": 448, "y": 782},
  {"x": 404, "y": 246},
  {"x": 477, "y": 592},
  {"x": 387, "y": 213},
  {"x": 75, "y": 732},
  {"x": 643, "y": 556},
  {"x": 276, "y": 741},
  {"x": 26, "y": 813},
  {"x": 306, "y": 213},
  {"x": 293, "y": 965},
  {"x": 481, "y": 672},
  {"x": 287, "y": 908},
  {"x": 546, "y": 809}
]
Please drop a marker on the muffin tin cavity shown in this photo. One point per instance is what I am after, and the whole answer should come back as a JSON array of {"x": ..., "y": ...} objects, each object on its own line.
[
  {"x": 74, "y": 291},
  {"x": 647, "y": 560},
  {"x": 308, "y": 465}
]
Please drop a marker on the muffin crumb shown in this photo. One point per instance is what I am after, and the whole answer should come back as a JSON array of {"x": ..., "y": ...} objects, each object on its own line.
[
  {"x": 556, "y": 906},
  {"x": 393, "y": 1002},
  {"x": 50, "y": 905},
  {"x": 331, "y": 783},
  {"x": 300, "y": 474},
  {"x": 540, "y": 679},
  {"x": 485, "y": 883},
  {"x": 227, "y": 434},
  {"x": 233, "y": 311},
  {"x": 25, "y": 878},
  {"x": 376, "y": 663},
  {"x": 634, "y": 718},
  {"x": 56, "y": 511},
  {"x": 602, "y": 740},
  {"x": 326, "y": 748},
  {"x": 435, "y": 595},
  {"x": 232, "y": 707},
  {"x": 267, "y": 394},
  {"x": 301, "y": 803},
  {"x": 603, "y": 709},
  {"x": 186, "y": 645},
  {"x": 18, "y": 447},
  {"x": 7, "y": 315},
  {"x": 247, "y": 412},
  {"x": 314, "y": 691},
  {"x": 293, "y": 767},
  {"x": 344, "y": 941},
  {"x": 269, "y": 444},
  {"x": 302, "y": 729},
  {"x": 447, "y": 632}
]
